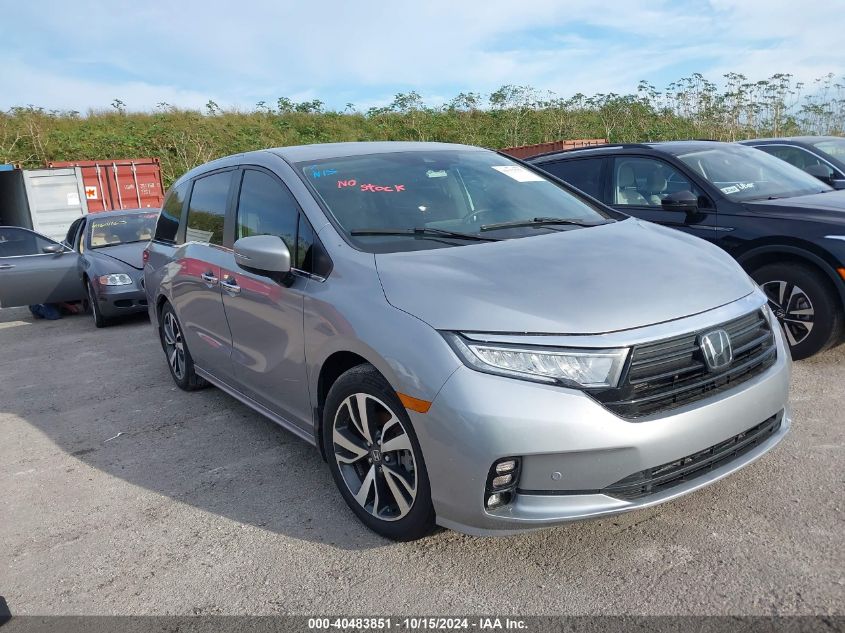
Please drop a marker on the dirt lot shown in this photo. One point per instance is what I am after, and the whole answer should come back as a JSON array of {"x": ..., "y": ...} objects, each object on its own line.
[{"x": 124, "y": 495}]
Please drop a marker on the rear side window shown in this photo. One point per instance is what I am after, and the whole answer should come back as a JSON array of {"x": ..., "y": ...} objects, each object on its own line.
[
  {"x": 171, "y": 213},
  {"x": 582, "y": 174},
  {"x": 207, "y": 210}
]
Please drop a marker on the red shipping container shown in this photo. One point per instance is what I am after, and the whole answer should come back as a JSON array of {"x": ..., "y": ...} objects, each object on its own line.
[
  {"x": 133, "y": 183},
  {"x": 526, "y": 151}
]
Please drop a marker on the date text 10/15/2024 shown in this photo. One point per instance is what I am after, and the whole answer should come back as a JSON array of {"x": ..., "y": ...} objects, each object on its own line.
[{"x": 417, "y": 623}]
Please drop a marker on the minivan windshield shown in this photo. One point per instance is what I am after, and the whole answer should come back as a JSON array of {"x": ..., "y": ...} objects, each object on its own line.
[
  {"x": 121, "y": 229},
  {"x": 422, "y": 199},
  {"x": 744, "y": 173}
]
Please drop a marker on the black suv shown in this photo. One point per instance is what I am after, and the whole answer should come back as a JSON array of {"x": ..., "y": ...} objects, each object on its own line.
[
  {"x": 820, "y": 156},
  {"x": 784, "y": 226}
]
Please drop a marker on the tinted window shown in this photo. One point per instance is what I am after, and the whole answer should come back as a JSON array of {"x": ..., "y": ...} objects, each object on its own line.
[
  {"x": 15, "y": 242},
  {"x": 801, "y": 158},
  {"x": 304, "y": 245},
  {"x": 266, "y": 207},
  {"x": 207, "y": 210},
  {"x": 73, "y": 233},
  {"x": 584, "y": 174},
  {"x": 171, "y": 213},
  {"x": 645, "y": 182}
]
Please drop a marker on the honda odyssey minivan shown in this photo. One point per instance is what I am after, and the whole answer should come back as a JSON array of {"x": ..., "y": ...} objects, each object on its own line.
[{"x": 467, "y": 342}]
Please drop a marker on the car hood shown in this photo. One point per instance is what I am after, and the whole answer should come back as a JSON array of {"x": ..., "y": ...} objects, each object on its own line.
[
  {"x": 827, "y": 206},
  {"x": 129, "y": 254},
  {"x": 608, "y": 278}
]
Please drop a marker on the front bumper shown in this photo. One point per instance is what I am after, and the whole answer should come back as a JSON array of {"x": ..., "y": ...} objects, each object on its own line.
[
  {"x": 571, "y": 446},
  {"x": 117, "y": 300}
]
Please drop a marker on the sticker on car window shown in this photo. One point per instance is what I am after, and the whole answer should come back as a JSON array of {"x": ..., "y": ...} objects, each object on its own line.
[
  {"x": 518, "y": 173},
  {"x": 440, "y": 173},
  {"x": 740, "y": 186}
]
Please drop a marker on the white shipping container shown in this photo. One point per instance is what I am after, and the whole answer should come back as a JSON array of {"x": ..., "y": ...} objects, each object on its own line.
[{"x": 44, "y": 200}]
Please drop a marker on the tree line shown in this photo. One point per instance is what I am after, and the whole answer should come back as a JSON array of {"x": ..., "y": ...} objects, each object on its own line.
[{"x": 692, "y": 107}]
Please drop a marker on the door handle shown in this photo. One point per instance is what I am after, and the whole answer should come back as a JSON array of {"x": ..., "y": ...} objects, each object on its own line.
[
  {"x": 230, "y": 285},
  {"x": 6, "y": 266},
  {"x": 209, "y": 278}
]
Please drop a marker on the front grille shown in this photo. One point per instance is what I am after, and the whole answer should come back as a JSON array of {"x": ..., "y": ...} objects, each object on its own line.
[
  {"x": 660, "y": 478},
  {"x": 670, "y": 373}
]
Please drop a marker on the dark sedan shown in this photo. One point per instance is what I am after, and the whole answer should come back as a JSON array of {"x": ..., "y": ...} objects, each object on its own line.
[
  {"x": 820, "y": 156},
  {"x": 786, "y": 228},
  {"x": 99, "y": 263}
]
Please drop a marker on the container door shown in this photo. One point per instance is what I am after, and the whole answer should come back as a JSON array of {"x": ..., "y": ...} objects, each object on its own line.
[
  {"x": 122, "y": 183},
  {"x": 56, "y": 198},
  {"x": 34, "y": 269},
  {"x": 96, "y": 178},
  {"x": 135, "y": 185}
]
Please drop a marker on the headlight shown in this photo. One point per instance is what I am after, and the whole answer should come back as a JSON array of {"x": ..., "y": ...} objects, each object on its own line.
[
  {"x": 115, "y": 279},
  {"x": 556, "y": 365}
]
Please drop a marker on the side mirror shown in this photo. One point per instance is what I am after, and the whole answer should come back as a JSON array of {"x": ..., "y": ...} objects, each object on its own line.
[
  {"x": 53, "y": 249},
  {"x": 821, "y": 172},
  {"x": 685, "y": 201},
  {"x": 264, "y": 254},
  {"x": 837, "y": 183}
]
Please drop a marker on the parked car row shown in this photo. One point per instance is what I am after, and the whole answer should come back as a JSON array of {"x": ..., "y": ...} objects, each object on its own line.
[
  {"x": 784, "y": 226},
  {"x": 494, "y": 345}
]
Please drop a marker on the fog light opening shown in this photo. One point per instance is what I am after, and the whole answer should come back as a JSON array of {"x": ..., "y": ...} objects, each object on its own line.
[
  {"x": 501, "y": 482},
  {"x": 498, "y": 499},
  {"x": 506, "y": 466}
]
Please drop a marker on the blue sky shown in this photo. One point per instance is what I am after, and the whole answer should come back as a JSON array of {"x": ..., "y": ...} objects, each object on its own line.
[{"x": 79, "y": 55}]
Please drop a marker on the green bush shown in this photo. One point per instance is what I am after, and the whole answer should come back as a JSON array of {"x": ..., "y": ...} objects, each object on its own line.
[{"x": 692, "y": 107}]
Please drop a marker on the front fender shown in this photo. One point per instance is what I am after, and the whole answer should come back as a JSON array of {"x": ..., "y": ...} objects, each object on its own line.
[
  {"x": 799, "y": 252},
  {"x": 412, "y": 356}
]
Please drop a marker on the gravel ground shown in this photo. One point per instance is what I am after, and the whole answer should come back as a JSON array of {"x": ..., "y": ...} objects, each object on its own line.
[{"x": 125, "y": 495}]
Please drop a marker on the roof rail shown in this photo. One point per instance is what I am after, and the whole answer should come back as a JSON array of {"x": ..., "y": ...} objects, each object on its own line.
[{"x": 589, "y": 147}]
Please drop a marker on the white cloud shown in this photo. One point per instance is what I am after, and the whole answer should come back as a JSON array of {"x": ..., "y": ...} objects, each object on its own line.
[
  {"x": 187, "y": 52},
  {"x": 44, "y": 88}
]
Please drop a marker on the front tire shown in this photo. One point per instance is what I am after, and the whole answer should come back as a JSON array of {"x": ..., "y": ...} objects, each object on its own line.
[
  {"x": 804, "y": 304},
  {"x": 374, "y": 456},
  {"x": 176, "y": 352},
  {"x": 94, "y": 307}
]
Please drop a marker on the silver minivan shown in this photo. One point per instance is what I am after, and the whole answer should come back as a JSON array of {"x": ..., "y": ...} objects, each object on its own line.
[{"x": 467, "y": 341}]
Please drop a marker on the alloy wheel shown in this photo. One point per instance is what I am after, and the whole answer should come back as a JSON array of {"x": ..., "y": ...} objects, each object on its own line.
[
  {"x": 375, "y": 456},
  {"x": 174, "y": 347},
  {"x": 793, "y": 309}
]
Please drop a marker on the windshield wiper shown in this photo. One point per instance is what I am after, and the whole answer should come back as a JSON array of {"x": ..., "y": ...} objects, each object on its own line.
[
  {"x": 425, "y": 231},
  {"x": 537, "y": 222}
]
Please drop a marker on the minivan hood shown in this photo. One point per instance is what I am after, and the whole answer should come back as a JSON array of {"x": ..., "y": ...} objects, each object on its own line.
[
  {"x": 608, "y": 278},
  {"x": 131, "y": 254}
]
